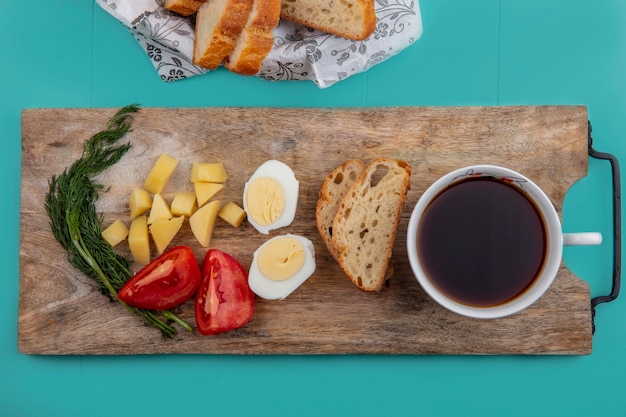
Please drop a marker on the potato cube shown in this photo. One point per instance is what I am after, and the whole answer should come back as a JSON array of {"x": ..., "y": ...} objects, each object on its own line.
[
  {"x": 202, "y": 222},
  {"x": 139, "y": 202},
  {"x": 115, "y": 233},
  {"x": 139, "y": 240},
  {"x": 160, "y": 209},
  {"x": 232, "y": 214},
  {"x": 184, "y": 204},
  {"x": 160, "y": 174},
  {"x": 208, "y": 172},
  {"x": 206, "y": 190},
  {"x": 164, "y": 230}
]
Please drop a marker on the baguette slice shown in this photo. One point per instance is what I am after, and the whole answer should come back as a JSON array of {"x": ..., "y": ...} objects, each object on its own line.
[
  {"x": 256, "y": 39},
  {"x": 331, "y": 193},
  {"x": 183, "y": 7},
  {"x": 365, "y": 226},
  {"x": 352, "y": 19},
  {"x": 218, "y": 23}
]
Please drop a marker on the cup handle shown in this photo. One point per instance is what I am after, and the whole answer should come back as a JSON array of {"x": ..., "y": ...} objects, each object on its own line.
[{"x": 581, "y": 239}]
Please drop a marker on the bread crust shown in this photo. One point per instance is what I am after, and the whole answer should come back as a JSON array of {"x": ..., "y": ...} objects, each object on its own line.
[
  {"x": 221, "y": 37},
  {"x": 183, "y": 7},
  {"x": 256, "y": 39},
  {"x": 365, "y": 9},
  {"x": 365, "y": 226}
]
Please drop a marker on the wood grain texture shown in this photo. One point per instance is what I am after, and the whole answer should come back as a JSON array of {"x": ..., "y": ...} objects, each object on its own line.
[{"x": 61, "y": 311}]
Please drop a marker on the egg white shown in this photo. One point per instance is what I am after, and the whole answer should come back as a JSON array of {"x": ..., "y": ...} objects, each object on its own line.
[
  {"x": 279, "y": 290},
  {"x": 285, "y": 177}
]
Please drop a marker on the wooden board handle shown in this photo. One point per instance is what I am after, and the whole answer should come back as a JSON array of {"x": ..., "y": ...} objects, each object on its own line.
[{"x": 617, "y": 230}]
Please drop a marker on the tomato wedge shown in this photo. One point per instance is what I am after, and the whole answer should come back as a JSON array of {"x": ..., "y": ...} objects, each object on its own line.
[
  {"x": 169, "y": 280},
  {"x": 224, "y": 300}
]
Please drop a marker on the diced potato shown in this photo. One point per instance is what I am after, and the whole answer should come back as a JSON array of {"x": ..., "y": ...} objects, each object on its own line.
[
  {"x": 206, "y": 190},
  {"x": 208, "y": 172},
  {"x": 232, "y": 214},
  {"x": 139, "y": 240},
  {"x": 160, "y": 174},
  {"x": 115, "y": 233},
  {"x": 139, "y": 202},
  {"x": 160, "y": 209},
  {"x": 203, "y": 220},
  {"x": 164, "y": 230},
  {"x": 184, "y": 204}
]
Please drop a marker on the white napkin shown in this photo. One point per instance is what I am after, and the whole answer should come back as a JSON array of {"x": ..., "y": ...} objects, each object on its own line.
[{"x": 299, "y": 53}]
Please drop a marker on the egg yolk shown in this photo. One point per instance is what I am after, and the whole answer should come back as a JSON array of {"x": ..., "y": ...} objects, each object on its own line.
[
  {"x": 265, "y": 200},
  {"x": 281, "y": 259}
]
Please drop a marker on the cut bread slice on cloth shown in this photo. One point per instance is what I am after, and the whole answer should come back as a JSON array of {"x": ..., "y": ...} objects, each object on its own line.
[
  {"x": 218, "y": 24},
  {"x": 256, "y": 39},
  {"x": 183, "y": 7},
  {"x": 351, "y": 19},
  {"x": 331, "y": 193},
  {"x": 366, "y": 223}
]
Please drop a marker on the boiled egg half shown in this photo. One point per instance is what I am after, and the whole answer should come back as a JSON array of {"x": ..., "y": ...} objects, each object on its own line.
[
  {"x": 280, "y": 266},
  {"x": 270, "y": 196}
]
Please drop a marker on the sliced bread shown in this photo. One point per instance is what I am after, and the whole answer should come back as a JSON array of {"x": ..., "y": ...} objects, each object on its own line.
[
  {"x": 352, "y": 19},
  {"x": 256, "y": 39},
  {"x": 366, "y": 223},
  {"x": 331, "y": 193},
  {"x": 183, "y": 7},
  {"x": 218, "y": 24}
]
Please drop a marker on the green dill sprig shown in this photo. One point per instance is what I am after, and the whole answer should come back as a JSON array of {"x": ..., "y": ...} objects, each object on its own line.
[{"x": 70, "y": 204}]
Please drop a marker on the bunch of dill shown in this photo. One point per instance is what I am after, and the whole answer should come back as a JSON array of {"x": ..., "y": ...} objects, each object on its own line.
[{"x": 70, "y": 204}]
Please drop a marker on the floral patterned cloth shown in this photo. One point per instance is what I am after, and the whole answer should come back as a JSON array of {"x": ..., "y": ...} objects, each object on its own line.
[{"x": 299, "y": 53}]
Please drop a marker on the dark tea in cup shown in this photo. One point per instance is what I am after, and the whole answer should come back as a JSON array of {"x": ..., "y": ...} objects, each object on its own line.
[{"x": 481, "y": 241}]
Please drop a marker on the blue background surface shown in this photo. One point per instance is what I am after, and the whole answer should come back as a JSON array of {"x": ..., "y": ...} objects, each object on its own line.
[{"x": 65, "y": 53}]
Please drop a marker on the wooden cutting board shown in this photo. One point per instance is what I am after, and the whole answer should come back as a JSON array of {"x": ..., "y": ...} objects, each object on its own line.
[{"x": 61, "y": 311}]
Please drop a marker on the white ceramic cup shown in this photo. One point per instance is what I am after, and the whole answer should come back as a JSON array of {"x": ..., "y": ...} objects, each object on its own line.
[{"x": 555, "y": 240}]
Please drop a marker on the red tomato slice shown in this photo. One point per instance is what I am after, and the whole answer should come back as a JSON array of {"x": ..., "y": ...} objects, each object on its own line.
[
  {"x": 224, "y": 300},
  {"x": 169, "y": 280}
]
